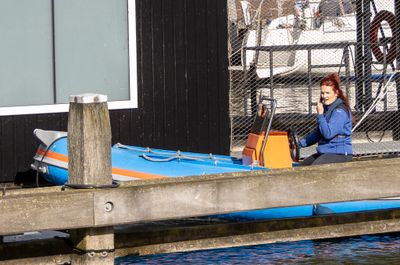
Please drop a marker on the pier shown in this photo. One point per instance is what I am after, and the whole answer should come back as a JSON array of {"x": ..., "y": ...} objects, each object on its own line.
[{"x": 105, "y": 220}]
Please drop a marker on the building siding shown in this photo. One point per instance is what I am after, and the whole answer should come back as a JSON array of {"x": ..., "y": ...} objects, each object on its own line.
[{"x": 183, "y": 96}]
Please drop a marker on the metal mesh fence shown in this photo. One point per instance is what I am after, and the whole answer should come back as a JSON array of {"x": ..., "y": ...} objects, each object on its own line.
[{"x": 283, "y": 48}]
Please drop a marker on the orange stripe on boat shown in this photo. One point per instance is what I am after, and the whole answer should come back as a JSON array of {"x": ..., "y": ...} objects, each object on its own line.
[
  {"x": 54, "y": 155},
  {"x": 136, "y": 174},
  {"x": 117, "y": 171}
]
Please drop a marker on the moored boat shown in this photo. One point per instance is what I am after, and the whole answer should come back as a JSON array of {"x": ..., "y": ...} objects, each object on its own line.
[
  {"x": 317, "y": 23},
  {"x": 265, "y": 149},
  {"x": 132, "y": 162}
]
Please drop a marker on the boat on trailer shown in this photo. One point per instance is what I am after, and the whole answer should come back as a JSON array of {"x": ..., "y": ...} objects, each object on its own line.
[{"x": 265, "y": 149}]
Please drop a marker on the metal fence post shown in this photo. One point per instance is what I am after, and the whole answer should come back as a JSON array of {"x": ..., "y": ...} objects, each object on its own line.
[
  {"x": 309, "y": 68},
  {"x": 396, "y": 129}
]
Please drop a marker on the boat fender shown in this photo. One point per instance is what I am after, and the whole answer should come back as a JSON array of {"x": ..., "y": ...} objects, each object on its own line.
[{"x": 381, "y": 16}]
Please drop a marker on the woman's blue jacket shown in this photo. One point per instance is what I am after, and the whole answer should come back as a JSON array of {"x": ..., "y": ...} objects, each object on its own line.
[{"x": 333, "y": 134}]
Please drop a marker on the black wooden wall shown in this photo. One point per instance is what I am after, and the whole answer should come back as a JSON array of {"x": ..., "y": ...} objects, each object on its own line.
[{"x": 182, "y": 87}]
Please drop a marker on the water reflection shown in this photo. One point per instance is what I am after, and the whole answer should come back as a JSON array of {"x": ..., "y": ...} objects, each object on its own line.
[{"x": 377, "y": 249}]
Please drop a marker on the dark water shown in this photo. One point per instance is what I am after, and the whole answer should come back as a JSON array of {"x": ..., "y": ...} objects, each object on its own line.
[{"x": 376, "y": 249}]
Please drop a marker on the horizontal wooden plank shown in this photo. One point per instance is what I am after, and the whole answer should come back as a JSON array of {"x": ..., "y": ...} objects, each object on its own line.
[
  {"x": 206, "y": 195},
  {"x": 334, "y": 231},
  {"x": 45, "y": 211},
  {"x": 48, "y": 260},
  {"x": 155, "y": 233},
  {"x": 38, "y": 251},
  {"x": 256, "y": 232},
  {"x": 164, "y": 237},
  {"x": 195, "y": 196}
]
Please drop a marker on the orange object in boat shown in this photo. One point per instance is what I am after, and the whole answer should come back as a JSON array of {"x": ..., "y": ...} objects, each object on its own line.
[{"x": 276, "y": 153}]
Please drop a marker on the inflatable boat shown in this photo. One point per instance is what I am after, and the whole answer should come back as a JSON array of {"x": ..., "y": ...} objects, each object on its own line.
[
  {"x": 265, "y": 149},
  {"x": 132, "y": 162}
]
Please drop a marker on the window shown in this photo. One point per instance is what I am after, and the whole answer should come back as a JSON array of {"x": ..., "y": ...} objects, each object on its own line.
[
  {"x": 334, "y": 8},
  {"x": 53, "y": 49}
]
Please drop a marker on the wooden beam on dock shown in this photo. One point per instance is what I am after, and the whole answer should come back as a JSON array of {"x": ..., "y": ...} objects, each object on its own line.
[
  {"x": 232, "y": 192},
  {"x": 140, "y": 201},
  {"x": 235, "y": 234},
  {"x": 173, "y": 236}
]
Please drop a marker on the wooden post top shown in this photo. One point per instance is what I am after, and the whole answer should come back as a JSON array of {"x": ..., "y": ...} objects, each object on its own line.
[
  {"x": 88, "y": 98},
  {"x": 89, "y": 140}
]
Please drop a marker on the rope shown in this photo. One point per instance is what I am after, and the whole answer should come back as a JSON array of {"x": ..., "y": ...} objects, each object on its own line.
[
  {"x": 378, "y": 97},
  {"x": 257, "y": 15},
  {"x": 173, "y": 157},
  {"x": 160, "y": 159},
  {"x": 115, "y": 184},
  {"x": 43, "y": 157},
  {"x": 122, "y": 146},
  {"x": 178, "y": 153},
  {"x": 350, "y": 51},
  {"x": 374, "y": 141}
]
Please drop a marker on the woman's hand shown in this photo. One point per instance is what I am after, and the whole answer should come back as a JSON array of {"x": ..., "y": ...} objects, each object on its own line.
[{"x": 320, "y": 108}]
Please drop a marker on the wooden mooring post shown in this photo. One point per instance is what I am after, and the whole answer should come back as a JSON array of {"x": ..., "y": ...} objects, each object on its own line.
[{"x": 89, "y": 152}]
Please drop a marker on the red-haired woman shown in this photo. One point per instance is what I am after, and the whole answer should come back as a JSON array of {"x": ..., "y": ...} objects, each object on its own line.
[{"x": 334, "y": 119}]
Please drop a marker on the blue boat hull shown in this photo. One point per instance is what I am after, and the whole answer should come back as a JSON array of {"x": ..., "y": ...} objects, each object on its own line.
[{"x": 309, "y": 210}]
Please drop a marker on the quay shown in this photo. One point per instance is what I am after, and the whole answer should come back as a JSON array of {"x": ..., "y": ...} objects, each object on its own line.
[{"x": 105, "y": 221}]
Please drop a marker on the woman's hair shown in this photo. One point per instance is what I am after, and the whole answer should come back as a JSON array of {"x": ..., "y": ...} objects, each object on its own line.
[{"x": 333, "y": 80}]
